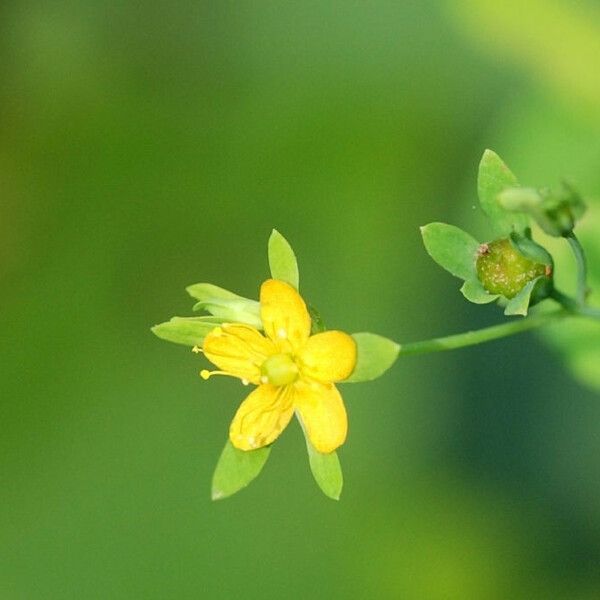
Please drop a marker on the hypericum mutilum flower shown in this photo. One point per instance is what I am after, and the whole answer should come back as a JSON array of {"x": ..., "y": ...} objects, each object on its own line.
[{"x": 294, "y": 372}]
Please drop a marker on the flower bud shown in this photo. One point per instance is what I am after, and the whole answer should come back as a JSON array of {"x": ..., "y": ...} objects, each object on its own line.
[
  {"x": 226, "y": 305},
  {"x": 503, "y": 270},
  {"x": 555, "y": 212}
]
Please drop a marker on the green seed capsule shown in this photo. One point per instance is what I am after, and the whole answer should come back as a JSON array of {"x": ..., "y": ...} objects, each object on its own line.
[{"x": 503, "y": 270}]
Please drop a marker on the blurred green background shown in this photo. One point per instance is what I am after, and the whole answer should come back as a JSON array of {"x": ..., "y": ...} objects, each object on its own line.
[{"x": 147, "y": 146}]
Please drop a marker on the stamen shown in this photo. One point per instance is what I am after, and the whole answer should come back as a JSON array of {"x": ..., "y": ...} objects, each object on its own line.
[
  {"x": 197, "y": 350},
  {"x": 282, "y": 333},
  {"x": 264, "y": 379},
  {"x": 205, "y": 374},
  {"x": 245, "y": 382}
]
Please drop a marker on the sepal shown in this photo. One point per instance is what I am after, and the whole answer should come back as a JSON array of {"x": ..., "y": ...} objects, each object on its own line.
[
  {"x": 451, "y": 248},
  {"x": 519, "y": 305},
  {"x": 473, "y": 291},
  {"x": 282, "y": 260},
  {"x": 236, "y": 469},
  {"x": 189, "y": 331},
  {"x": 375, "y": 355},
  {"x": 326, "y": 470},
  {"x": 493, "y": 178}
]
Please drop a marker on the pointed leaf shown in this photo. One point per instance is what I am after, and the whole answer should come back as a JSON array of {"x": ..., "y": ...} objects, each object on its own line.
[
  {"x": 189, "y": 331},
  {"x": 473, "y": 291},
  {"x": 375, "y": 355},
  {"x": 494, "y": 177},
  {"x": 451, "y": 248},
  {"x": 282, "y": 260},
  {"x": 327, "y": 471},
  {"x": 236, "y": 469}
]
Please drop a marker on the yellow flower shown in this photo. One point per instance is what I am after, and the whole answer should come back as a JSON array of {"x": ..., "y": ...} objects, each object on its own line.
[{"x": 294, "y": 372}]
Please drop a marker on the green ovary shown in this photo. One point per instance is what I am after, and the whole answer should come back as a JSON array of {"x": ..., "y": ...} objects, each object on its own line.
[
  {"x": 504, "y": 270},
  {"x": 279, "y": 369}
]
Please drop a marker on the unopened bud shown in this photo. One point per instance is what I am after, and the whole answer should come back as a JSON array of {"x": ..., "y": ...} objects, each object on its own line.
[{"x": 555, "y": 212}]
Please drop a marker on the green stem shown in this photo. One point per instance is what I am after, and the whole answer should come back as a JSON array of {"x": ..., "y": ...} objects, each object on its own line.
[
  {"x": 471, "y": 338},
  {"x": 574, "y": 307},
  {"x": 581, "y": 267}
]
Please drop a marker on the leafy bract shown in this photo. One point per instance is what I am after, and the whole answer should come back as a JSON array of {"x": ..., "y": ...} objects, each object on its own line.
[
  {"x": 189, "y": 331},
  {"x": 375, "y": 355},
  {"x": 451, "y": 248},
  {"x": 282, "y": 260},
  {"x": 236, "y": 469},
  {"x": 494, "y": 177}
]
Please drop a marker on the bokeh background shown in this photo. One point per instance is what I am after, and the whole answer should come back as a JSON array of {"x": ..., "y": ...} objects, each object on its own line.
[{"x": 147, "y": 146}]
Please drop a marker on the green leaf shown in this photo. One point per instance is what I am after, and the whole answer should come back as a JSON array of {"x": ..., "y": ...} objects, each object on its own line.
[
  {"x": 494, "y": 177},
  {"x": 519, "y": 305},
  {"x": 189, "y": 331},
  {"x": 473, "y": 291},
  {"x": 282, "y": 260},
  {"x": 375, "y": 355},
  {"x": 327, "y": 471},
  {"x": 451, "y": 248},
  {"x": 236, "y": 469}
]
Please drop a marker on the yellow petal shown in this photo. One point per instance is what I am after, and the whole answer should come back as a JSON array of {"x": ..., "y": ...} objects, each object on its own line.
[
  {"x": 328, "y": 356},
  {"x": 261, "y": 417},
  {"x": 239, "y": 350},
  {"x": 284, "y": 315},
  {"x": 323, "y": 414}
]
